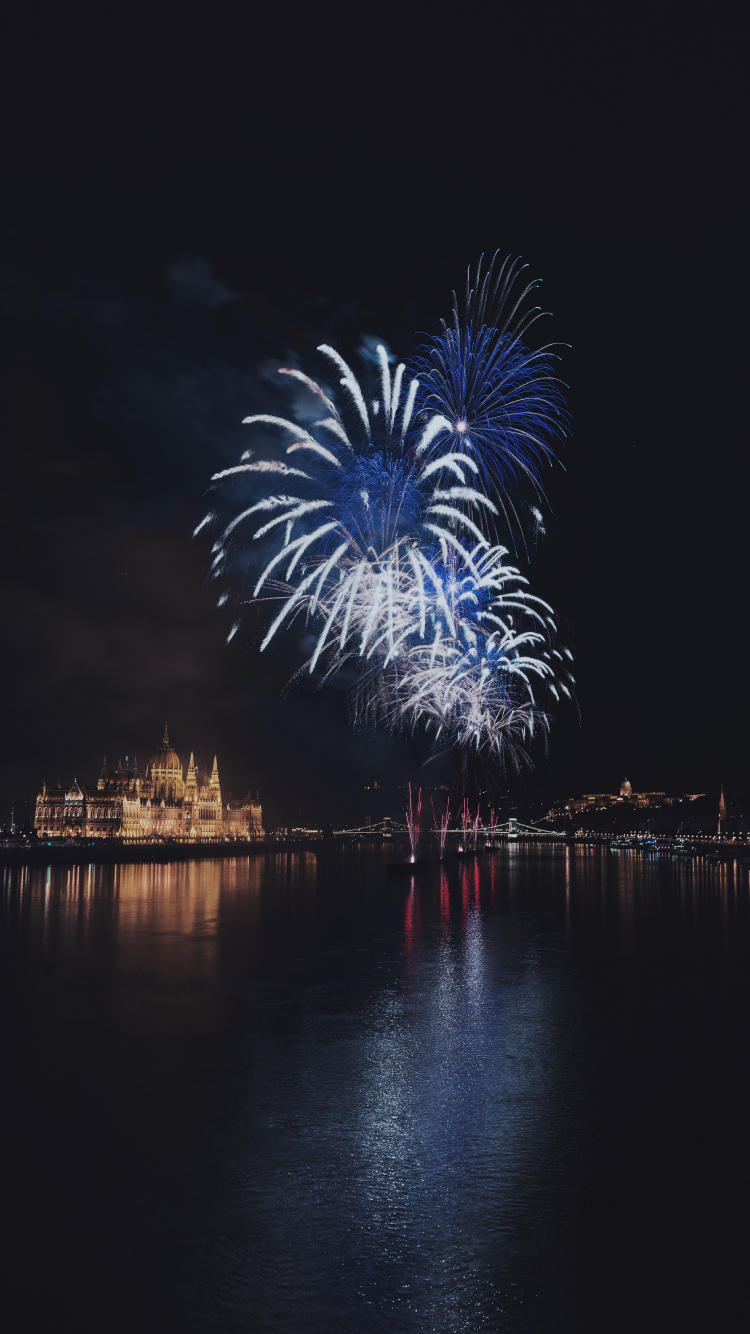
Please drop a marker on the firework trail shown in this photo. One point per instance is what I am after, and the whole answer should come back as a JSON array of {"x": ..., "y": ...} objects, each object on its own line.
[
  {"x": 441, "y": 820},
  {"x": 382, "y": 537},
  {"x": 412, "y": 822},
  {"x": 465, "y": 823}
]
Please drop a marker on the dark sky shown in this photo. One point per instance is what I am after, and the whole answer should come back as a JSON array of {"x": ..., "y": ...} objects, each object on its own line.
[{"x": 191, "y": 196}]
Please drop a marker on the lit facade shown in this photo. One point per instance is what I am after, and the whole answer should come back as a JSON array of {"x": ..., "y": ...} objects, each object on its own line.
[
  {"x": 161, "y": 803},
  {"x": 594, "y": 801}
]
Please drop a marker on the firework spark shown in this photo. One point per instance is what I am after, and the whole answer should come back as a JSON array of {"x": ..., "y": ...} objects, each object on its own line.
[
  {"x": 384, "y": 539},
  {"x": 413, "y": 817},
  {"x": 504, "y": 401}
]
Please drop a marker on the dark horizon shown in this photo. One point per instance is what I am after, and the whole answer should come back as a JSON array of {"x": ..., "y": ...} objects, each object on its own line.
[{"x": 161, "y": 250}]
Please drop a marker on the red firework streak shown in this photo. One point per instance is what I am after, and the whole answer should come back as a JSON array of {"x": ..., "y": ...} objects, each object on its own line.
[
  {"x": 412, "y": 822},
  {"x": 441, "y": 824}
]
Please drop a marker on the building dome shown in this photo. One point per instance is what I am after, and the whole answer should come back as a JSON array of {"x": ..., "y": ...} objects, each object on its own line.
[{"x": 165, "y": 757}]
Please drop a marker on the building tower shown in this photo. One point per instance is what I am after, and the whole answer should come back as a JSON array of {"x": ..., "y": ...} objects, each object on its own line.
[
  {"x": 214, "y": 783},
  {"x": 722, "y": 811},
  {"x": 191, "y": 782}
]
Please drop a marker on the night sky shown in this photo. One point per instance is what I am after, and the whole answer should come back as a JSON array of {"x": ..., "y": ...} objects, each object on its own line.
[{"x": 191, "y": 198}]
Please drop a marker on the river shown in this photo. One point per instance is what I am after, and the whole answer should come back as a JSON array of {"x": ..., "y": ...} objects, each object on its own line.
[{"x": 286, "y": 1094}]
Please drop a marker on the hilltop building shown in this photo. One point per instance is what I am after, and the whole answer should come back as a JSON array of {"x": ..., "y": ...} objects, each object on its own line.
[
  {"x": 597, "y": 801},
  {"x": 159, "y": 803},
  {"x": 689, "y": 813}
]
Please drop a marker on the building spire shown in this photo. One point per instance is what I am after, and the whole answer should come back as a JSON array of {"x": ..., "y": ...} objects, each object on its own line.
[{"x": 165, "y": 738}]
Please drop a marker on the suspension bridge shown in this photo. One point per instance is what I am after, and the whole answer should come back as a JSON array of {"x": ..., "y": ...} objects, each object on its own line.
[{"x": 509, "y": 831}]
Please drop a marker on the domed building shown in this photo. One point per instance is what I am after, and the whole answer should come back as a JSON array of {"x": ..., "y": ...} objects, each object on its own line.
[
  {"x": 164, "y": 772},
  {"x": 160, "y": 805}
]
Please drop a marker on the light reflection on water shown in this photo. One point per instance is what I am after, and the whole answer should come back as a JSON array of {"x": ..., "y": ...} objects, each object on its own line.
[{"x": 289, "y": 1094}]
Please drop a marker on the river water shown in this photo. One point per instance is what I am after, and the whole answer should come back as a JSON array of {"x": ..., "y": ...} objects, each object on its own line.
[{"x": 288, "y": 1094}]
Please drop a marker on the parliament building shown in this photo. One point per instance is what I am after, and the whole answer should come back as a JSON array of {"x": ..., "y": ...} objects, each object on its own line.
[{"x": 146, "y": 807}]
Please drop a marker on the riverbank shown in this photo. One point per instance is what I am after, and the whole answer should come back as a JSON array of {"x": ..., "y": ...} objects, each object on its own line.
[{"x": 109, "y": 851}]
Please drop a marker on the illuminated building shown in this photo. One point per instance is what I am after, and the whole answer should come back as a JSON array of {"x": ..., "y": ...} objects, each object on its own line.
[
  {"x": 597, "y": 801},
  {"x": 140, "y": 807},
  {"x": 649, "y": 798}
]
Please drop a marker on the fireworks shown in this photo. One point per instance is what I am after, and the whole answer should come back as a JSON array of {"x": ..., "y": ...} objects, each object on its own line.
[
  {"x": 413, "y": 816},
  {"x": 441, "y": 821},
  {"x": 383, "y": 535},
  {"x": 503, "y": 401}
]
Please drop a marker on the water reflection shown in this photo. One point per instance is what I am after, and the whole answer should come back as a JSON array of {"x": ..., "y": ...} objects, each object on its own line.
[
  {"x": 289, "y": 1094},
  {"x": 155, "y": 931},
  {"x": 424, "y": 1112}
]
